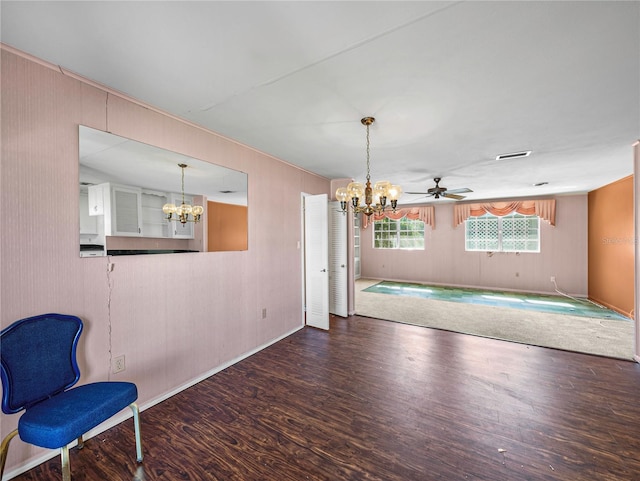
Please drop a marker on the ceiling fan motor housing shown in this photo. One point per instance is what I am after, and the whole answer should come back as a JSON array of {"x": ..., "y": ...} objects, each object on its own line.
[{"x": 437, "y": 190}]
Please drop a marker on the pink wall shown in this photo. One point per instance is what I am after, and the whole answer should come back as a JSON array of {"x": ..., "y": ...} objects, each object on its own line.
[
  {"x": 175, "y": 317},
  {"x": 444, "y": 260}
]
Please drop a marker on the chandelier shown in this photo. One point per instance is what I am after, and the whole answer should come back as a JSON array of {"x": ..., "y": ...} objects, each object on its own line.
[
  {"x": 184, "y": 212},
  {"x": 375, "y": 199}
]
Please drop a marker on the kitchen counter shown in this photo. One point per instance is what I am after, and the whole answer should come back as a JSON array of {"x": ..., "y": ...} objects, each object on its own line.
[{"x": 145, "y": 251}]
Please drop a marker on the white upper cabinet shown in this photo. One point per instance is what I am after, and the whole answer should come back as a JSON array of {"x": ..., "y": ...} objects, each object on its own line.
[
  {"x": 88, "y": 223},
  {"x": 96, "y": 200},
  {"x": 154, "y": 221},
  {"x": 121, "y": 207},
  {"x": 132, "y": 211},
  {"x": 126, "y": 212}
]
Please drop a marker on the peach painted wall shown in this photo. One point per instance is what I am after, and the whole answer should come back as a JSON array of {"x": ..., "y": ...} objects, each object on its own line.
[
  {"x": 175, "y": 317},
  {"x": 227, "y": 227},
  {"x": 444, "y": 260},
  {"x": 612, "y": 246},
  {"x": 636, "y": 202}
]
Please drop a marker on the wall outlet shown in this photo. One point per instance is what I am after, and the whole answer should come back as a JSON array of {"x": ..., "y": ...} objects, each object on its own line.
[
  {"x": 264, "y": 312},
  {"x": 117, "y": 365},
  {"x": 553, "y": 278}
]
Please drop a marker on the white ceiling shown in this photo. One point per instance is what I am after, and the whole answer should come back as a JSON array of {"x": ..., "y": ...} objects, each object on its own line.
[
  {"x": 451, "y": 84},
  {"x": 105, "y": 157}
]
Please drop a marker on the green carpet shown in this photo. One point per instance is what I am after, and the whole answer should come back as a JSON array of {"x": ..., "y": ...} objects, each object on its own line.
[
  {"x": 612, "y": 337},
  {"x": 516, "y": 300}
]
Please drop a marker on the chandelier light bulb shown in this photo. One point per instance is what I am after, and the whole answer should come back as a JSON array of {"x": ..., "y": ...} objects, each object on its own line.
[
  {"x": 342, "y": 194},
  {"x": 356, "y": 190},
  {"x": 381, "y": 187},
  {"x": 169, "y": 209},
  {"x": 395, "y": 192},
  {"x": 197, "y": 210}
]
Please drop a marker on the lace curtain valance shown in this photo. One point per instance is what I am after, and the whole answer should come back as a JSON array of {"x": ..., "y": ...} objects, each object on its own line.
[
  {"x": 545, "y": 209},
  {"x": 426, "y": 214}
]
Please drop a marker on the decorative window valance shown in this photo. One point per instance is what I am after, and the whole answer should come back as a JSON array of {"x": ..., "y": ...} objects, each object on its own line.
[
  {"x": 544, "y": 208},
  {"x": 426, "y": 214}
]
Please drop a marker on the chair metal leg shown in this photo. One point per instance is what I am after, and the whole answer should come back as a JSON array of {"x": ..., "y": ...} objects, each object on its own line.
[
  {"x": 64, "y": 451},
  {"x": 4, "y": 449},
  {"x": 64, "y": 458},
  {"x": 136, "y": 425},
  {"x": 139, "y": 476}
]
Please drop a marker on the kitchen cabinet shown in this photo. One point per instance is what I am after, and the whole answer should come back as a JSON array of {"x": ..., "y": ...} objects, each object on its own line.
[
  {"x": 96, "y": 200},
  {"x": 88, "y": 223},
  {"x": 132, "y": 211},
  {"x": 121, "y": 207},
  {"x": 126, "y": 211},
  {"x": 154, "y": 221}
]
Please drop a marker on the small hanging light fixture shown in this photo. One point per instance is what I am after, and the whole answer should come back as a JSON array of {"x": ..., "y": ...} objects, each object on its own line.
[
  {"x": 375, "y": 199},
  {"x": 183, "y": 212}
]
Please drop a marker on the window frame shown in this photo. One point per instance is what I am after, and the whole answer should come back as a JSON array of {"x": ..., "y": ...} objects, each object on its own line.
[
  {"x": 497, "y": 243},
  {"x": 399, "y": 241}
]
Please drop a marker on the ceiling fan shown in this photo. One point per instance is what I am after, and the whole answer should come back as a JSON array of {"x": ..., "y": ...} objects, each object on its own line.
[{"x": 438, "y": 191}]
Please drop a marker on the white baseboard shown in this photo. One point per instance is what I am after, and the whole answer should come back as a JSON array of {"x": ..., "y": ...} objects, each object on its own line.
[{"x": 126, "y": 414}]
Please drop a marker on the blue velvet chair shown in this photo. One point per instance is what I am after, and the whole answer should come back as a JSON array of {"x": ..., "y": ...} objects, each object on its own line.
[{"x": 38, "y": 371}]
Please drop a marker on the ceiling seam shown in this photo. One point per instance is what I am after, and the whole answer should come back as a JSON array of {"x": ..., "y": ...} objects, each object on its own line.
[{"x": 354, "y": 46}]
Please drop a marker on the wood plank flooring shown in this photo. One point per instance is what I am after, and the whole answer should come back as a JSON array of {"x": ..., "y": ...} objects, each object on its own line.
[{"x": 377, "y": 400}]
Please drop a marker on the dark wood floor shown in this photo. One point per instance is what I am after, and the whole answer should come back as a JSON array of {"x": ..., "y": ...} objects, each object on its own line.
[{"x": 377, "y": 400}]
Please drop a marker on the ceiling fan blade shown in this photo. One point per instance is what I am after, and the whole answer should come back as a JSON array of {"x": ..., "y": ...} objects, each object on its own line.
[
  {"x": 418, "y": 193},
  {"x": 459, "y": 191},
  {"x": 452, "y": 196}
]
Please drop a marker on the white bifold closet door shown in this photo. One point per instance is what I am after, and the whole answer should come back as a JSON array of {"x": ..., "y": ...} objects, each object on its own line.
[
  {"x": 316, "y": 255},
  {"x": 338, "y": 297}
]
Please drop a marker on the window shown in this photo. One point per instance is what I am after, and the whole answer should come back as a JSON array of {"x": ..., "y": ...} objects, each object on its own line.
[
  {"x": 398, "y": 234},
  {"x": 511, "y": 233}
]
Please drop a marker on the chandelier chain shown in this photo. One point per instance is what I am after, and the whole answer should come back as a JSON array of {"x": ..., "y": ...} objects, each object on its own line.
[
  {"x": 375, "y": 198},
  {"x": 368, "y": 163},
  {"x": 183, "y": 184}
]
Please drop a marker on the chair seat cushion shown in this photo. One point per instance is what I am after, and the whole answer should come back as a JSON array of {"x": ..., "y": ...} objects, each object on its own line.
[{"x": 59, "y": 420}]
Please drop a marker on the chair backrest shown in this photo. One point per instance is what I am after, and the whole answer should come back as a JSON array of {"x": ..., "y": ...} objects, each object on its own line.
[{"x": 38, "y": 359}]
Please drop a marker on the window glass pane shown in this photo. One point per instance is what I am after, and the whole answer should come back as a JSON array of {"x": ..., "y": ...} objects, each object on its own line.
[
  {"x": 481, "y": 233},
  {"x": 398, "y": 234},
  {"x": 512, "y": 233}
]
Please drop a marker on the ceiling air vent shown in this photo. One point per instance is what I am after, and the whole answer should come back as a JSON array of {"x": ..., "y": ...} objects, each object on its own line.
[{"x": 514, "y": 155}]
